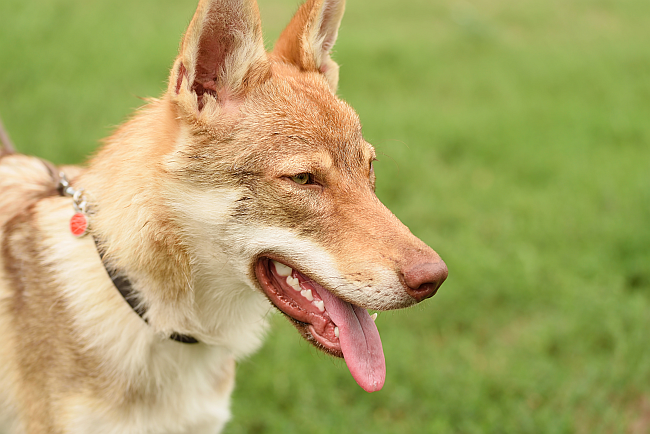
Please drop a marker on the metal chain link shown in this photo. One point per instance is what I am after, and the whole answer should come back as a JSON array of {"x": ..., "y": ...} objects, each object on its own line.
[{"x": 78, "y": 198}]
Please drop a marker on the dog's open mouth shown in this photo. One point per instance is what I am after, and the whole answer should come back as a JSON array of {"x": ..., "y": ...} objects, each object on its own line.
[{"x": 336, "y": 326}]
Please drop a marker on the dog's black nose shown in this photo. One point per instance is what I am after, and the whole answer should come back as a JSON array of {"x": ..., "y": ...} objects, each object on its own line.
[{"x": 424, "y": 278}]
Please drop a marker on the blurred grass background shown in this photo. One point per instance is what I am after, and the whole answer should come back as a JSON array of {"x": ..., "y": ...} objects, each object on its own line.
[{"x": 514, "y": 138}]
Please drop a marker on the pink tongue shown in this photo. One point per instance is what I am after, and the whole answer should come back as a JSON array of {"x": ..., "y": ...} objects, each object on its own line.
[{"x": 360, "y": 341}]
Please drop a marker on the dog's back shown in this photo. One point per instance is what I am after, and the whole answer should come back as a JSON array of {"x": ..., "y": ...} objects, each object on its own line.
[{"x": 23, "y": 180}]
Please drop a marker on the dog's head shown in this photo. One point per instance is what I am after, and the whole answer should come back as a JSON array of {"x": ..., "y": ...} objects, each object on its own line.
[{"x": 285, "y": 180}]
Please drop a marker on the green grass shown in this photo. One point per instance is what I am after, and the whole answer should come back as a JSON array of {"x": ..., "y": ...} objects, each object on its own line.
[{"x": 514, "y": 138}]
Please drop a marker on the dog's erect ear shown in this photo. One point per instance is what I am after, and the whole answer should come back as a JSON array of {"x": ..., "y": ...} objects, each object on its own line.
[
  {"x": 222, "y": 54},
  {"x": 310, "y": 36}
]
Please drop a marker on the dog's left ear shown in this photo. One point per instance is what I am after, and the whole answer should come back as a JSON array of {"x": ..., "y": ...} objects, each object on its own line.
[
  {"x": 222, "y": 55},
  {"x": 308, "y": 39}
]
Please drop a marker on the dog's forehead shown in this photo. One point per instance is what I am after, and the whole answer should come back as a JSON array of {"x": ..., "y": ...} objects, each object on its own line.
[{"x": 298, "y": 113}]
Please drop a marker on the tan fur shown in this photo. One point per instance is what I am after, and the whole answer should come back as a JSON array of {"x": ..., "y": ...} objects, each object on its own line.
[{"x": 184, "y": 199}]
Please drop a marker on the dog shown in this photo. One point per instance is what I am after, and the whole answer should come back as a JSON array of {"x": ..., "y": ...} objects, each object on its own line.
[{"x": 129, "y": 288}]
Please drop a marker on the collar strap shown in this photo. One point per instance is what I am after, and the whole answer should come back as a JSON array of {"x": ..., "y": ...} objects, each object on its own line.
[
  {"x": 123, "y": 285},
  {"x": 120, "y": 281}
]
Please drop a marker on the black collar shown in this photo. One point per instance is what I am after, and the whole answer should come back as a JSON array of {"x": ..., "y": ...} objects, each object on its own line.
[
  {"x": 121, "y": 282},
  {"x": 123, "y": 285}
]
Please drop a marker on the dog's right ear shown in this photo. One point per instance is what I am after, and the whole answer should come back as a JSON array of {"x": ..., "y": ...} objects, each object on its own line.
[
  {"x": 222, "y": 55},
  {"x": 308, "y": 39}
]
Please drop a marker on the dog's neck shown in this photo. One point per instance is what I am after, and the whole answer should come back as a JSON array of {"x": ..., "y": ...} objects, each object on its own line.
[{"x": 187, "y": 287}]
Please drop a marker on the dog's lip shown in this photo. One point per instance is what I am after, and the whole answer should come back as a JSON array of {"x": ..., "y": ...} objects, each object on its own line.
[
  {"x": 315, "y": 326},
  {"x": 332, "y": 324}
]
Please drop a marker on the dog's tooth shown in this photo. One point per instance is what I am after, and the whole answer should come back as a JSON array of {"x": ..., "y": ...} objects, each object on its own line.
[
  {"x": 336, "y": 332},
  {"x": 281, "y": 269},
  {"x": 307, "y": 294},
  {"x": 294, "y": 283},
  {"x": 374, "y": 316},
  {"x": 319, "y": 304}
]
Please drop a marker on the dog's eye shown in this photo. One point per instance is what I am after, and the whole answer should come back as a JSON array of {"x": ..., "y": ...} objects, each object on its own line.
[{"x": 303, "y": 178}]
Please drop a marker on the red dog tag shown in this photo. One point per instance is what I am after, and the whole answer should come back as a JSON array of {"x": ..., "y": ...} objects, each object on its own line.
[{"x": 79, "y": 224}]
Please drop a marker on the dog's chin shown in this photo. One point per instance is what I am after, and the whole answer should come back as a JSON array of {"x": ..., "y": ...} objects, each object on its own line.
[{"x": 296, "y": 296}]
